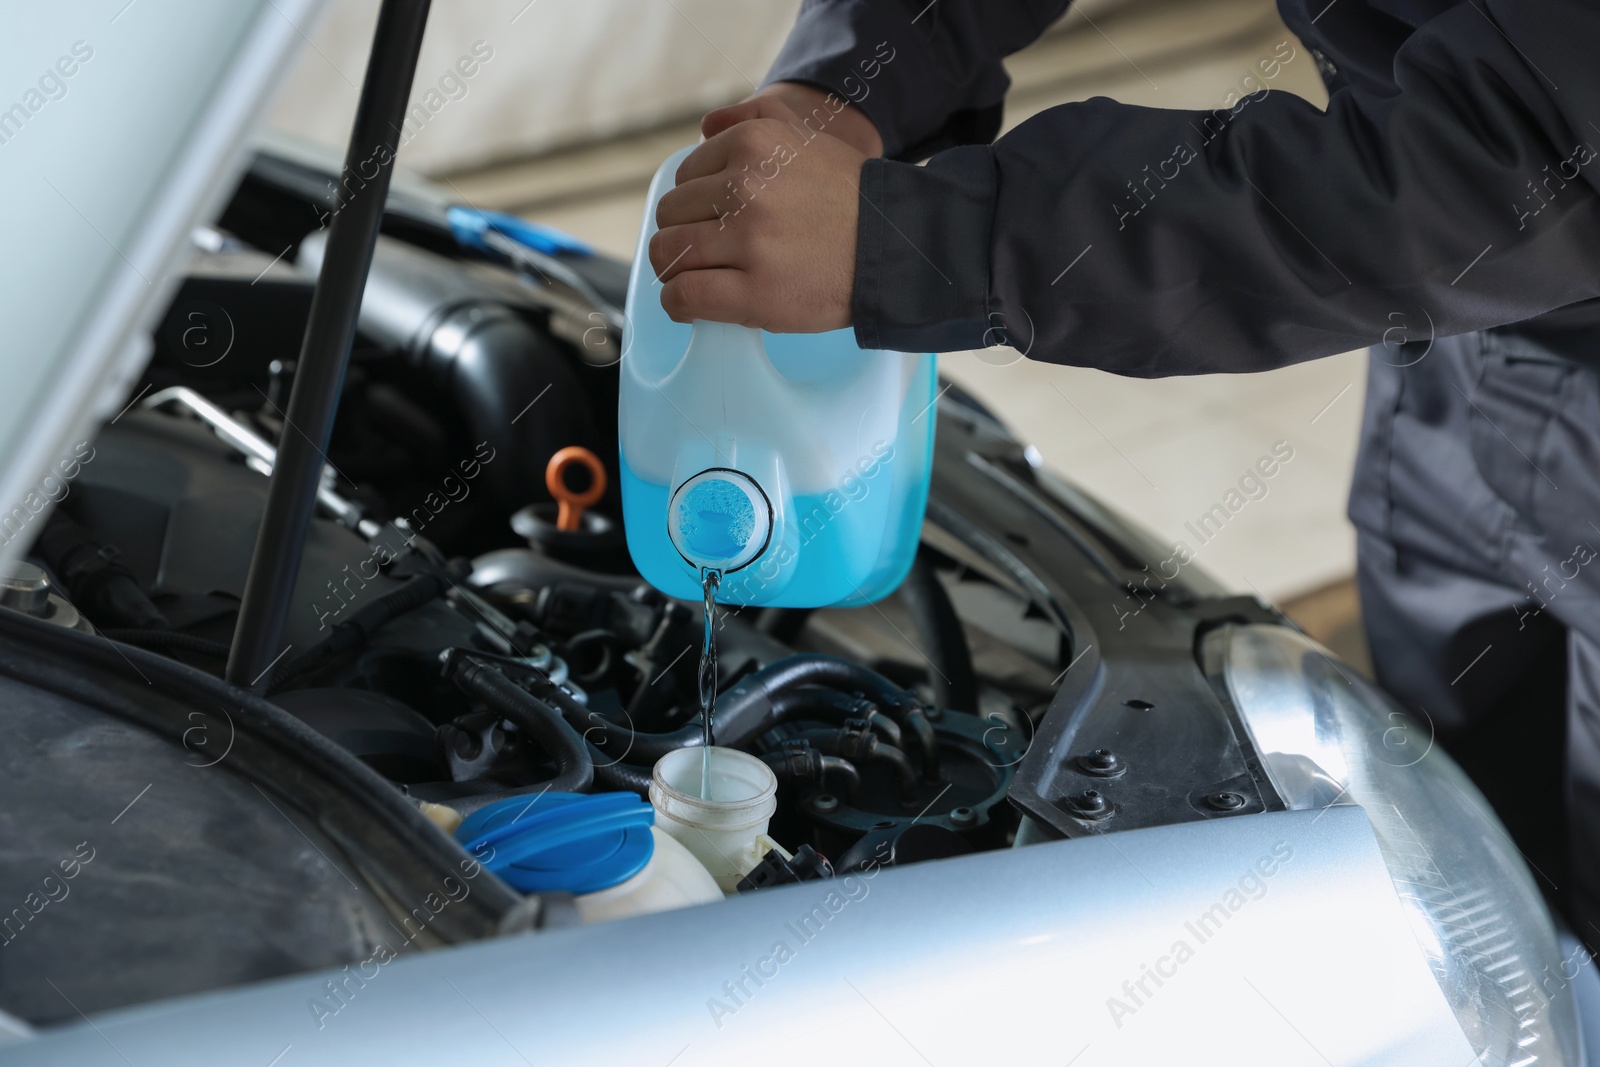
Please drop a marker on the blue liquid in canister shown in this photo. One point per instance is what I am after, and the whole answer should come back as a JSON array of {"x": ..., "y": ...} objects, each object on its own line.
[{"x": 796, "y": 467}]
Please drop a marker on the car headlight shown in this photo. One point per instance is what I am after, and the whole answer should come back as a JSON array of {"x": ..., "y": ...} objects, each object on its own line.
[{"x": 1326, "y": 736}]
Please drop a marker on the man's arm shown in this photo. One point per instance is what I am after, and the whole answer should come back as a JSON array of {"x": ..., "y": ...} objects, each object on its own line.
[
  {"x": 1152, "y": 242},
  {"x": 761, "y": 226},
  {"x": 926, "y": 72}
]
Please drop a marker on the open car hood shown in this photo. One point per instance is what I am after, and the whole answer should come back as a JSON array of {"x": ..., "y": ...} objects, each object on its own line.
[{"x": 120, "y": 129}]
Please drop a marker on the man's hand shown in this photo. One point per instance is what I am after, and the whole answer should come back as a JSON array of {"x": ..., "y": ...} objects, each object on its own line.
[
  {"x": 849, "y": 123},
  {"x": 761, "y": 229}
]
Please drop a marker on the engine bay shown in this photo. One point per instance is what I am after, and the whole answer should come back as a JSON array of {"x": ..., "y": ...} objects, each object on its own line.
[{"x": 446, "y": 632}]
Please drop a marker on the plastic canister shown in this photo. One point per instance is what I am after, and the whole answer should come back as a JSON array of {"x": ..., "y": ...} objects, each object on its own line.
[
  {"x": 602, "y": 847},
  {"x": 725, "y": 825},
  {"x": 797, "y": 465}
]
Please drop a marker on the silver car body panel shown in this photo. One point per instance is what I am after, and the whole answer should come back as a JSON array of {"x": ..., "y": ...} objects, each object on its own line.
[{"x": 1017, "y": 956}]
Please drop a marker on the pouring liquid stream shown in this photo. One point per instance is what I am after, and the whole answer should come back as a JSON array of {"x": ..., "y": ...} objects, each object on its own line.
[{"x": 710, "y": 578}]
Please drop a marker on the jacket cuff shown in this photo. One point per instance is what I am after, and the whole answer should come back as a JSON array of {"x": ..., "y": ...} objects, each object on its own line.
[{"x": 922, "y": 253}]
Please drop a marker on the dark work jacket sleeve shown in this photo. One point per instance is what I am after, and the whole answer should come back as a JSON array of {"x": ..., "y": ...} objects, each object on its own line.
[
  {"x": 928, "y": 74},
  {"x": 1155, "y": 242}
]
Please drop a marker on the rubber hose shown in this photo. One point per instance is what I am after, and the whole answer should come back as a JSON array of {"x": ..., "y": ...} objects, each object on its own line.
[
  {"x": 417, "y": 591},
  {"x": 757, "y": 704},
  {"x": 839, "y": 767},
  {"x": 832, "y": 706},
  {"x": 942, "y": 638},
  {"x": 826, "y": 767},
  {"x": 168, "y": 639},
  {"x": 621, "y": 744},
  {"x": 745, "y": 712},
  {"x": 734, "y": 724},
  {"x": 916, "y": 721},
  {"x": 827, "y": 742},
  {"x": 619, "y": 777},
  {"x": 536, "y": 720}
]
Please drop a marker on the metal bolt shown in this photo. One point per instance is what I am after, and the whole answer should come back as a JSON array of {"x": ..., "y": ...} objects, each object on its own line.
[
  {"x": 24, "y": 588},
  {"x": 1089, "y": 804},
  {"x": 1225, "y": 801},
  {"x": 963, "y": 816},
  {"x": 1102, "y": 763},
  {"x": 825, "y": 803}
]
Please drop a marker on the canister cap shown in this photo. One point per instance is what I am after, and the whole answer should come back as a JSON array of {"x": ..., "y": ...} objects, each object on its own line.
[
  {"x": 720, "y": 518},
  {"x": 567, "y": 842}
]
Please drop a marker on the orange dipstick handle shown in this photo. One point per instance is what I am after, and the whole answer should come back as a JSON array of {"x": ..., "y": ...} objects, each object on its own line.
[{"x": 573, "y": 505}]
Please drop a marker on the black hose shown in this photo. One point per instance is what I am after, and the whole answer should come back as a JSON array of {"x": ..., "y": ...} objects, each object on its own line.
[
  {"x": 839, "y": 767},
  {"x": 796, "y": 763},
  {"x": 736, "y": 724},
  {"x": 868, "y": 747},
  {"x": 168, "y": 639},
  {"x": 614, "y": 739},
  {"x": 916, "y": 720},
  {"x": 535, "y": 720},
  {"x": 417, "y": 591},
  {"x": 832, "y": 706},
  {"x": 776, "y": 693},
  {"x": 747, "y": 710},
  {"x": 619, "y": 777},
  {"x": 941, "y": 637}
]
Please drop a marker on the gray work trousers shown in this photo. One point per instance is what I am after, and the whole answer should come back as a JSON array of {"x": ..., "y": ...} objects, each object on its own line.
[{"x": 1476, "y": 501}]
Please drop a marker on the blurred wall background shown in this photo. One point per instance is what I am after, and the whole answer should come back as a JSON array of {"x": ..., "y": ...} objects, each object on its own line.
[{"x": 563, "y": 72}]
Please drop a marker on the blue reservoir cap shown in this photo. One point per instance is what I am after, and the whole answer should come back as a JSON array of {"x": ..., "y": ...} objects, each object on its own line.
[{"x": 566, "y": 842}]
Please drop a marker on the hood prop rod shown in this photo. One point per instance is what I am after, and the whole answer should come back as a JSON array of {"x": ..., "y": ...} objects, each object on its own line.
[{"x": 325, "y": 351}]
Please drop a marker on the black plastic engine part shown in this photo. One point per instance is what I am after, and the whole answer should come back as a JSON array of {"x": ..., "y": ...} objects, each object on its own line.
[
  {"x": 386, "y": 735},
  {"x": 894, "y": 846},
  {"x": 486, "y": 357},
  {"x": 183, "y": 512},
  {"x": 572, "y": 607},
  {"x": 940, "y": 637},
  {"x": 978, "y": 760},
  {"x": 97, "y": 581},
  {"x": 805, "y": 866},
  {"x": 854, "y": 741},
  {"x": 536, "y": 721},
  {"x": 1131, "y": 622},
  {"x": 597, "y": 543}
]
